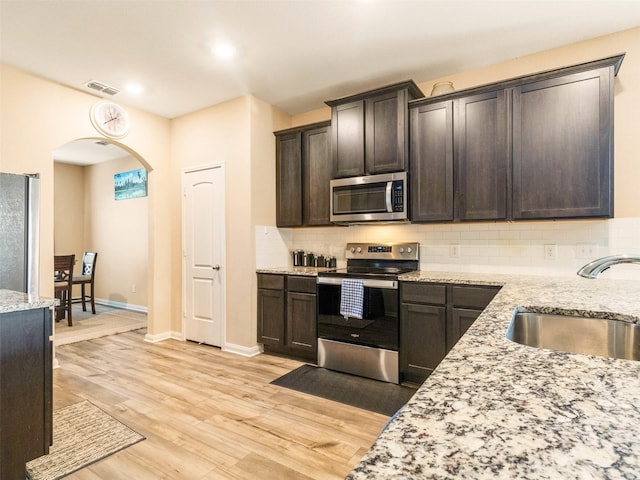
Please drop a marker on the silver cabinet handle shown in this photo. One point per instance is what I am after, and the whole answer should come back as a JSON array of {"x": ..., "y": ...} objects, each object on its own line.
[{"x": 216, "y": 267}]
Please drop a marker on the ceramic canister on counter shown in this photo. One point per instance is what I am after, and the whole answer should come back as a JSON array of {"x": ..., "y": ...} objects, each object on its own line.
[
  {"x": 309, "y": 259},
  {"x": 298, "y": 258}
]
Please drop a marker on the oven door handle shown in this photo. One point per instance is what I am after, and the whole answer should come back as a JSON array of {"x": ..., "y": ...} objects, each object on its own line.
[{"x": 370, "y": 282}]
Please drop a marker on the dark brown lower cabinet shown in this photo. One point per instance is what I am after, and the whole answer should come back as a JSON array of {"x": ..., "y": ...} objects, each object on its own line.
[
  {"x": 422, "y": 340},
  {"x": 461, "y": 320},
  {"x": 465, "y": 304},
  {"x": 287, "y": 315},
  {"x": 26, "y": 389},
  {"x": 271, "y": 309},
  {"x": 301, "y": 316},
  {"x": 433, "y": 317}
]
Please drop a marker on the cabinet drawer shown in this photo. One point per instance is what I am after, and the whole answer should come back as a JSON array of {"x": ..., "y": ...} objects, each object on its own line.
[
  {"x": 414, "y": 292},
  {"x": 472, "y": 297},
  {"x": 301, "y": 284},
  {"x": 270, "y": 281}
]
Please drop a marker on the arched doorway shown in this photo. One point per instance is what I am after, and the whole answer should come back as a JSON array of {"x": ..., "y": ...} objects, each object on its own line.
[{"x": 89, "y": 217}]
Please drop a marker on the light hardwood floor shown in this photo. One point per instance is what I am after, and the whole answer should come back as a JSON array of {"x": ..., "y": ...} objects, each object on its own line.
[
  {"x": 208, "y": 414},
  {"x": 106, "y": 321}
]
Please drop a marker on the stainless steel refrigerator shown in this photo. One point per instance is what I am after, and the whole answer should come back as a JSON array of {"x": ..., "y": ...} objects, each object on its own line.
[{"x": 19, "y": 232}]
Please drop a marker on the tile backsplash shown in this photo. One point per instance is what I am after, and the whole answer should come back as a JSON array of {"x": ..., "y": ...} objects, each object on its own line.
[{"x": 538, "y": 248}]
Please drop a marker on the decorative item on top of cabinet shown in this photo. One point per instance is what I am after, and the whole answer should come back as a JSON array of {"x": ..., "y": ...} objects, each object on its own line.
[
  {"x": 370, "y": 130},
  {"x": 287, "y": 315},
  {"x": 303, "y": 172},
  {"x": 440, "y": 88}
]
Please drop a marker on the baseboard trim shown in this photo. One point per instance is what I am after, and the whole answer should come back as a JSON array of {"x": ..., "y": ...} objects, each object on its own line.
[
  {"x": 228, "y": 347},
  {"x": 242, "y": 350},
  {"x": 125, "y": 306},
  {"x": 159, "y": 337}
]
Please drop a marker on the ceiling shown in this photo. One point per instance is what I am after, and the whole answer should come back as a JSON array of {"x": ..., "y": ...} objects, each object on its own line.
[
  {"x": 293, "y": 54},
  {"x": 88, "y": 152}
]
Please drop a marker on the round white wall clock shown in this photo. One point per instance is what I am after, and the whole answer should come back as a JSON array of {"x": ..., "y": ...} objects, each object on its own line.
[{"x": 110, "y": 119}]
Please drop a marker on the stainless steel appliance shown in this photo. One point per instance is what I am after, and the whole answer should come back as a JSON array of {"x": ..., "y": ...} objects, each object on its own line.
[
  {"x": 366, "y": 346},
  {"x": 19, "y": 234},
  {"x": 371, "y": 198}
]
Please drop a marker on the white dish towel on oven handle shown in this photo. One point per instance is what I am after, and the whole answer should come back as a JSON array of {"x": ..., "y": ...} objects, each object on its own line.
[{"x": 352, "y": 298}]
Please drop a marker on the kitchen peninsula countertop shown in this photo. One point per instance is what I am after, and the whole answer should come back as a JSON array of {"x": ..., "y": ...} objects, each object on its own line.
[
  {"x": 11, "y": 301},
  {"x": 497, "y": 409}
]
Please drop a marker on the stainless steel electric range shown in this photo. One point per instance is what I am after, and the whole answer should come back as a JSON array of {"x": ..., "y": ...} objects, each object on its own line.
[{"x": 363, "y": 340}]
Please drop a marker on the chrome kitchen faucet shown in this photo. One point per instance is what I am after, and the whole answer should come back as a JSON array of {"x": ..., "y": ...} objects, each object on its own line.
[{"x": 595, "y": 268}]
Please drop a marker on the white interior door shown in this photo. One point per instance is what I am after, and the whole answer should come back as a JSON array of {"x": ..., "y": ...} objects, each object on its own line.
[{"x": 203, "y": 256}]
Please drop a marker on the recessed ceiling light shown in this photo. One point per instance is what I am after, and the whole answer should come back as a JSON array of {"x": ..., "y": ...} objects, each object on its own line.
[
  {"x": 224, "y": 50},
  {"x": 135, "y": 89}
]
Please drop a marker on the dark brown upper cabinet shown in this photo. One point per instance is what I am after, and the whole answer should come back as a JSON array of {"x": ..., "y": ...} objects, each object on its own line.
[
  {"x": 316, "y": 174},
  {"x": 347, "y": 143},
  {"x": 481, "y": 157},
  {"x": 563, "y": 146},
  {"x": 370, "y": 130},
  {"x": 431, "y": 178},
  {"x": 459, "y": 157},
  {"x": 533, "y": 147},
  {"x": 289, "y": 178},
  {"x": 303, "y": 172}
]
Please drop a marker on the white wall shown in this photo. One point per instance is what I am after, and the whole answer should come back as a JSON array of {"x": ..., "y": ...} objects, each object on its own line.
[
  {"x": 37, "y": 117},
  {"x": 88, "y": 218},
  {"x": 118, "y": 231}
]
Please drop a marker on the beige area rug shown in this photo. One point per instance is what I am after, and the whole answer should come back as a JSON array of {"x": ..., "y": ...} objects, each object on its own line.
[
  {"x": 82, "y": 434},
  {"x": 106, "y": 321}
]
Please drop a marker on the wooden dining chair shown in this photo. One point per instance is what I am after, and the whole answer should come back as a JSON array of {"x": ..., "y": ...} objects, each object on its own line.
[
  {"x": 86, "y": 278},
  {"x": 63, "y": 276}
]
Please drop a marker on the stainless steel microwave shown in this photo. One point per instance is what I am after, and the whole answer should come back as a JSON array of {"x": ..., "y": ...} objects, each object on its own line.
[{"x": 370, "y": 198}]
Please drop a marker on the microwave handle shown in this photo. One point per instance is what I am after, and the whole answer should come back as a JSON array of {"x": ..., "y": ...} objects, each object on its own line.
[{"x": 388, "y": 196}]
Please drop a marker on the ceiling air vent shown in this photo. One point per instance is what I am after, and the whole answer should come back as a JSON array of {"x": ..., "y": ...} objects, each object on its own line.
[{"x": 101, "y": 87}]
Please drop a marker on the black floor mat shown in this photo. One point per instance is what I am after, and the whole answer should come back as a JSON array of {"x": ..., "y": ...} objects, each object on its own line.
[{"x": 373, "y": 395}]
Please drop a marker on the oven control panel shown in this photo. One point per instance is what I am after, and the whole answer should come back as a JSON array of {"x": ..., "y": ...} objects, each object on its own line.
[{"x": 386, "y": 251}]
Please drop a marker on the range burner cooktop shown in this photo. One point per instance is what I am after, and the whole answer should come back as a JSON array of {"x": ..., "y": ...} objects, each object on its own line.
[{"x": 376, "y": 260}]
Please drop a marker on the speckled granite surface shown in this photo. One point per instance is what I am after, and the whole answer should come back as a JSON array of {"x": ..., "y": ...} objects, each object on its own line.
[
  {"x": 498, "y": 409},
  {"x": 306, "y": 271},
  {"x": 11, "y": 301}
]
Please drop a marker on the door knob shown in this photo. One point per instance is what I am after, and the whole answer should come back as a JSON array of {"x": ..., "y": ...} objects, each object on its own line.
[{"x": 216, "y": 267}]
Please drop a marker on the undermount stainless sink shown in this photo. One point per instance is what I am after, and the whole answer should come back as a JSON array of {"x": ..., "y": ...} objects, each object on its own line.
[{"x": 577, "y": 334}]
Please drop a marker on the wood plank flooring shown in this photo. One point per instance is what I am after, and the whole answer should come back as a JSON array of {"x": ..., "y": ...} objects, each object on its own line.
[{"x": 208, "y": 414}]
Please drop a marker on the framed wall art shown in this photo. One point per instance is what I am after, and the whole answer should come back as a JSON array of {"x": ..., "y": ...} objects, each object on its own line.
[{"x": 132, "y": 184}]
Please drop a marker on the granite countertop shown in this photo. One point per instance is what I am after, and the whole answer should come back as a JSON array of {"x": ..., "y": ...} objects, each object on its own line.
[
  {"x": 497, "y": 409},
  {"x": 11, "y": 301},
  {"x": 290, "y": 270}
]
